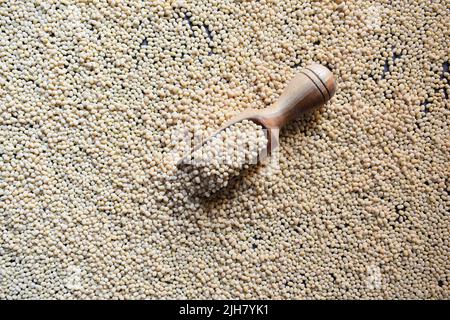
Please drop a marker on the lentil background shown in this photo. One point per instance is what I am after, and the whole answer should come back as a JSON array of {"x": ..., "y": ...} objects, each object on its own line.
[{"x": 91, "y": 91}]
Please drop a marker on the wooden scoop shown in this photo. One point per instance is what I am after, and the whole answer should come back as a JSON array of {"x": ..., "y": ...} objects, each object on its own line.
[{"x": 312, "y": 87}]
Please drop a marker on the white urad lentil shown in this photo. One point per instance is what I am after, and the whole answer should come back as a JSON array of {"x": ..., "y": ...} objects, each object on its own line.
[{"x": 90, "y": 91}]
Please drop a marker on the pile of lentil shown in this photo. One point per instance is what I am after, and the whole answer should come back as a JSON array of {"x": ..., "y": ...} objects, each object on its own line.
[
  {"x": 90, "y": 203},
  {"x": 222, "y": 158}
]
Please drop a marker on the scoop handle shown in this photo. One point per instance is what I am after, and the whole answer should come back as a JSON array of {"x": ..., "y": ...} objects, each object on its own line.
[{"x": 312, "y": 87}]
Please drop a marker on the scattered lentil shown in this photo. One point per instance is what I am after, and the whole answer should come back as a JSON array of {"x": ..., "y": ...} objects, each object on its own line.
[{"x": 90, "y": 206}]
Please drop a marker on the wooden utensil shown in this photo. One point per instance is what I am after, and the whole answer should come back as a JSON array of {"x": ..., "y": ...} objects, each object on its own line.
[{"x": 312, "y": 87}]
